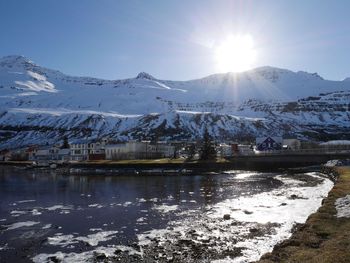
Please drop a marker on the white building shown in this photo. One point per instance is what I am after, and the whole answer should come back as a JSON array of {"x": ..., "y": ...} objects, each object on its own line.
[
  {"x": 63, "y": 155},
  {"x": 43, "y": 154},
  {"x": 245, "y": 149},
  {"x": 81, "y": 149},
  {"x": 225, "y": 150},
  {"x": 336, "y": 145},
  {"x": 165, "y": 150},
  {"x": 293, "y": 144},
  {"x": 138, "y": 150}
]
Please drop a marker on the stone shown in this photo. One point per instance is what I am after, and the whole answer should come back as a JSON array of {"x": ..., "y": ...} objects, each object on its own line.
[
  {"x": 54, "y": 259},
  {"x": 293, "y": 196},
  {"x": 253, "y": 230},
  {"x": 247, "y": 212},
  {"x": 100, "y": 256},
  {"x": 227, "y": 217}
]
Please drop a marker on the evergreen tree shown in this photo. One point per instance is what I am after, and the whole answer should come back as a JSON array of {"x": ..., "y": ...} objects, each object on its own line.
[
  {"x": 208, "y": 149},
  {"x": 191, "y": 151},
  {"x": 65, "y": 144}
]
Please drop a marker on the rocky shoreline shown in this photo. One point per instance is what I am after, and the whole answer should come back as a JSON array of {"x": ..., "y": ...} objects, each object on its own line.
[{"x": 325, "y": 236}]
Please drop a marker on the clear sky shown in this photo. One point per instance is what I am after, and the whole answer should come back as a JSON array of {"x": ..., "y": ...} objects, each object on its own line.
[{"x": 175, "y": 39}]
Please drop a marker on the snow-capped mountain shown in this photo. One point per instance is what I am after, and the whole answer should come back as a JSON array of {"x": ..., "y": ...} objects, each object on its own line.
[{"x": 40, "y": 105}]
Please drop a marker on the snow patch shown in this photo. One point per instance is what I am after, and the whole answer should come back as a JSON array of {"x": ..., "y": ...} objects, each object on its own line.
[
  {"x": 57, "y": 207},
  {"x": 343, "y": 206},
  {"x": 22, "y": 224},
  {"x": 163, "y": 208},
  {"x": 26, "y": 201},
  {"x": 92, "y": 239},
  {"x": 63, "y": 111},
  {"x": 95, "y": 205},
  {"x": 84, "y": 257}
]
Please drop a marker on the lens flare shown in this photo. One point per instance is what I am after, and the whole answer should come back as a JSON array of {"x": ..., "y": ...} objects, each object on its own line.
[{"x": 235, "y": 54}]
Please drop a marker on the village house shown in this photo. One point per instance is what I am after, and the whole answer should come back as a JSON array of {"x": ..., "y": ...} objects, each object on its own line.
[
  {"x": 335, "y": 145},
  {"x": 63, "y": 155},
  {"x": 79, "y": 150},
  {"x": 165, "y": 150},
  {"x": 269, "y": 143},
  {"x": 291, "y": 144},
  {"x": 139, "y": 150},
  {"x": 225, "y": 150},
  {"x": 5, "y": 155},
  {"x": 236, "y": 149},
  {"x": 45, "y": 153},
  {"x": 83, "y": 150},
  {"x": 245, "y": 149}
]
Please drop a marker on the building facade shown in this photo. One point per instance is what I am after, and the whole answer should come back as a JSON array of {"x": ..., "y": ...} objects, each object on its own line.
[
  {"x": 292, "y": 144},
  {"x": 269, "y": 143},
  {"x": 139, "y": 150},
  {"x": 84, "y": 150}
]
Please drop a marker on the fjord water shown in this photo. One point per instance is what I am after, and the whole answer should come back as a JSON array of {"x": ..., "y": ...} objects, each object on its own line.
[{"x": 48, "y": 215}]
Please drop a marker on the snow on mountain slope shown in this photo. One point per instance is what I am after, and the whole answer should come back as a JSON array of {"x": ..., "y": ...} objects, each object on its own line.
[{"x": 39, "y": 105}]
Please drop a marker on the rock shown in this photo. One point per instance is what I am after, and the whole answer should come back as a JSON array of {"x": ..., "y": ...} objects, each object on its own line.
[
  {"x": 205, "y": 240},
  {"x": 283, "y": 204},
  {"x": 87, "y": 244},
  {"x": 135, "y": 246},
  {"x": 266, "y": 256},
  {"x": 118, "y": 251},
  {"x": 247, "y": 212},
  {"x": 100, "y": 256},
  {"x": 227, "y": 217},
  {"x": 253, "y": 230},
  {"x": 54, "y": 259},
  {"x": 288, "y": 243},
  {"x": 185, "y": 242},
  {"x": 192, "y": 231},
  {"x": 293, "y": 197}
]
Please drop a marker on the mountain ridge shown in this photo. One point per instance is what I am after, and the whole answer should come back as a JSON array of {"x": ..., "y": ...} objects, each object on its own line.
[
  {"x": 41, "y": 105},
  {"x": 20, "y": 59}
]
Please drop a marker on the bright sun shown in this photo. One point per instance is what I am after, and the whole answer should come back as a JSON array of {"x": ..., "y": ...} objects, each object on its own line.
[{"x": 235, "y": 54}]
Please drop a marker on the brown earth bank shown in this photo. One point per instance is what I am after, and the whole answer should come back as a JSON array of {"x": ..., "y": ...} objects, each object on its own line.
[{"x": 324, "y": 238}]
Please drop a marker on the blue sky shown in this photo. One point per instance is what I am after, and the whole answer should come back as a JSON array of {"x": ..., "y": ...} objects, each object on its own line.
[{"x": 174, "y": 39}]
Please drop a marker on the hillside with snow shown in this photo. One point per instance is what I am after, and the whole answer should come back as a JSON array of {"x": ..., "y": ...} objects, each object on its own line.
[{"x": 40, "y": 105}]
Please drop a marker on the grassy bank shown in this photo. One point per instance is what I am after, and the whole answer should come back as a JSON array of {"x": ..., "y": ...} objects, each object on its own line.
[
  {"x": 155, "y": 161},
  {"x": 324, "y": 237}
]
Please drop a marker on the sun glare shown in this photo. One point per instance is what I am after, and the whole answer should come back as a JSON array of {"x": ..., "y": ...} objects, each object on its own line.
[{"x": 235, "y": 54}]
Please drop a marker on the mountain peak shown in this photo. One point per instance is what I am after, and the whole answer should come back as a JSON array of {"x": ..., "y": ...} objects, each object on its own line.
[
  {"x": 14, "y": 60},
  {"x": 144, "y": 75},
  {"x": 314, "y": 75},
  {"x": 268, "y": 69}
]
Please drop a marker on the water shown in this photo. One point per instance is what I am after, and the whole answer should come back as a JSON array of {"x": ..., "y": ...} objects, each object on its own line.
[{"x": 46, "y": 216}]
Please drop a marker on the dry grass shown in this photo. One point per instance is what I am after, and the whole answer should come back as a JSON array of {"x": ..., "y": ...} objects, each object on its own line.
[
  {"x": 155, "y": 161},
  {"x": 139, "y": 161},
  {"x": 324, "y": 238}
]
